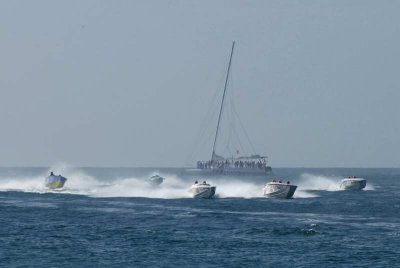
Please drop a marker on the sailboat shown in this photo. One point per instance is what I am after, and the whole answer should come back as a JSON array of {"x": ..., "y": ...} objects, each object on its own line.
[{"x": 254, "y": 165}]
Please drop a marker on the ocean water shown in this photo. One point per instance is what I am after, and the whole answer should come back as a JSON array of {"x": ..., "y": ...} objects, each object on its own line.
[{"x": 110, "y": 217}]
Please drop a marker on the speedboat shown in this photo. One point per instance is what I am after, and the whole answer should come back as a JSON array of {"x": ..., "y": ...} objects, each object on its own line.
[
  {"x": 202, "y": 190},
  {"x": 55, "y": 182},
  {"x": 353, "y": 183},
  {"x": 155, "y": 180},
  {"x": 279, "y": 189}
]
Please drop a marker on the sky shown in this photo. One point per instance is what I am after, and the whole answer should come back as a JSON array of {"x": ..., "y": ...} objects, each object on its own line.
[{"x": 130, "y": 83}]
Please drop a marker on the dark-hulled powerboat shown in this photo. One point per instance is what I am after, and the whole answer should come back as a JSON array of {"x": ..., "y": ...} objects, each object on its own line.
[{"x": 55, "y": 181}]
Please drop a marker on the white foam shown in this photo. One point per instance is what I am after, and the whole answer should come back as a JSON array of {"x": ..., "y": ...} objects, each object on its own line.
[
  {"x": 319, "y": 182},
  {"x": 78, "y": 182},
  {"x": 304, "y": 194},
  {"x": 24, "y": 184},
  {"x": 369, "y": 187},
  {"x": 173, "y": 187},
  {"x": 237, "y": 188}
]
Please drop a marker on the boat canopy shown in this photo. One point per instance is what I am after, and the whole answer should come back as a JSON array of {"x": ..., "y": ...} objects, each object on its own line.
[
  {"x": 251, "y": 157},
  {"x": 255, "y": 156}
]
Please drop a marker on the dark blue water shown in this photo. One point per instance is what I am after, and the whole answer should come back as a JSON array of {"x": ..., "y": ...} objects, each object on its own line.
[{"x": 105, "y": 218}]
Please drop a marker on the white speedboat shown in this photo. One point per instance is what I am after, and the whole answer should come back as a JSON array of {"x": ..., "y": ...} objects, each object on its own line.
[
  {"x": 155, "y": 180},
  {"x": 353, "y": 183},
  {"x": 279, "y": 189},
  {"x": 202, "y": 190}
]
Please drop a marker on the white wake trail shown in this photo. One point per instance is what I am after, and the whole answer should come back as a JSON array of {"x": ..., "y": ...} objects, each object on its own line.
[
  {"x": 79, "y": 182},
  {"x": 319, "y": 182}
]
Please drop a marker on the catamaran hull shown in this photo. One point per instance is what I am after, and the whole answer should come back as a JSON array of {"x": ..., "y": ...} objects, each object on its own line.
[
  {"x": 353, "y": 184},
  {"x": 203, "y": 192},
  {"x": 279, "y": 190},
  {"x": 55, "y": 182},
  {"x": 237, "y": 172}
]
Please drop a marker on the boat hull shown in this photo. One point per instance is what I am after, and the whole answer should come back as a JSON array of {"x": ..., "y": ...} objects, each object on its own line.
[
  {"x": 237, "y": 172},
  {"x": 201, "y": 191},
  {"x": 279, "y": 190},
  {"x": 55, "y": 182},
  {"x": 353, "y": 184}
]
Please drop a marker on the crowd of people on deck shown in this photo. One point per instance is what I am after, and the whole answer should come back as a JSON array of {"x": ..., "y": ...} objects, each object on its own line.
[{"x": 233, "y": 163}]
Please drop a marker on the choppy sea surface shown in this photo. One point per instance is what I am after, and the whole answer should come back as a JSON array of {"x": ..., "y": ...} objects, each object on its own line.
[{"x": 111, "y": 217}]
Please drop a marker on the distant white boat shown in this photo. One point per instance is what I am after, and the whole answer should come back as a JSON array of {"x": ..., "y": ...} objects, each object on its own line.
[
  {"x": 279, "y": 189},
  {"x": 202, "y": 190},
  {"x": 155, "y": 180},
  {"x": 353, "y": 183}
]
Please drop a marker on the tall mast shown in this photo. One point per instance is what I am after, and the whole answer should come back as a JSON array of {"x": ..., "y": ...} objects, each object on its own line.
[{"x": 222, "y": 102}]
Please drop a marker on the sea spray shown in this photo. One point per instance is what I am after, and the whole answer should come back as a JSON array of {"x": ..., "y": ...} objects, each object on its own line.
[
  {"x": 80, "y": 182},
  {"x": 369, "y": 187},
  {"x": 23, "y": 184},
  {"x": 318, "y": 182},
  {"x": 172, "y": 187},
  {"x": 238, "y": 188}
]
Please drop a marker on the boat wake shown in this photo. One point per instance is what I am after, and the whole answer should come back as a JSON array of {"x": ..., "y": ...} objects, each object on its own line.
[
  {"x": 313, "y": 182},
  {"x": 173, "y": 187},
  {"x": 81, "y": 183},
  {"x": 236, "y": 188},
  {"x": 23, "y": 184}
]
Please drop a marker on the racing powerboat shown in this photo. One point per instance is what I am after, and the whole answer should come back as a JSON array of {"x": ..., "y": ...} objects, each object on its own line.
[
  {"x": 353, "y": 183},
  {"x": 55, "y": 182},
  {"x": 279, "y": 189},
  {"x": 202, "y": 190},
  {"x": 155, "y": 180}
]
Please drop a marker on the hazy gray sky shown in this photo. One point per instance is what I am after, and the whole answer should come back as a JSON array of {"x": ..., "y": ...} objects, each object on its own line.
[{"x": 128, "y": 83}]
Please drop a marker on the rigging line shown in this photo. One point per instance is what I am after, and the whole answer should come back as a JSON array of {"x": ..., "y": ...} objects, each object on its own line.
[
  {"x": 236, "y": 115},
  {"x": 245, "y": 133},
  {"x": 227, "y": 116},
  {"x": 231, "y": 111},
  {"x": 228, "y": 149},
  {"x": 200, "y": 144},
  {"x": 222, "y": 103},
  {"x": 244, "y": 129},
  {"x": 240, "y": 144},
  {"x": 198, "y": 140},
  {"x": 230, "y": 116},
  {"x": 202, "y": 129}
]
